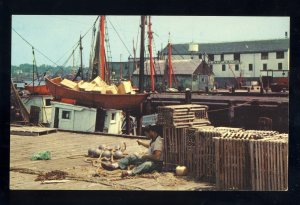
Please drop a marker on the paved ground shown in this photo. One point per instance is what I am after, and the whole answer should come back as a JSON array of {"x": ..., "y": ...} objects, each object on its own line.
[{"x": 68, "y": 150}]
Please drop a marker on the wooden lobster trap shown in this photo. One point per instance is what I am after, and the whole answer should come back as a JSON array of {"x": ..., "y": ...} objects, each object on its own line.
[
  {"x": 205, "y": 154},
  {"x": 174, "y": 147},
  {"x": 182, "y": 116},
  {"x": 269, "y": 163},
  {"x": 232, "y": 164}
]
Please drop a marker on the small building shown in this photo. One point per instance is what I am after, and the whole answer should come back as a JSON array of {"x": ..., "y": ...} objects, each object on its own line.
[
  {"x": 41, "y": 101},
  {"x": 113, "y": 121},
  {"x": 67, "y": 116},
  {"x": 159, "y": 67},
  {"x": 73, "y": 117},
  {"x": 203, "y": 77}
]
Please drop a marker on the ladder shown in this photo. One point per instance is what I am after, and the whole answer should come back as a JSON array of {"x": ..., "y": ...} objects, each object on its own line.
[{"x": 108, "y": 50}]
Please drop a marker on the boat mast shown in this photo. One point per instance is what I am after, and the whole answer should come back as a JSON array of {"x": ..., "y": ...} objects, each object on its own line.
[
  {"x": 33, "y": 71},
  {"x": 150, "y": 52},
  {"x": 170, "y": 62},
  {"x": 142, "y": 50},
  {"x": 81, "y": 69},
  {"x": 120, "y": 67},
  {"x": 102, "y": 49}
]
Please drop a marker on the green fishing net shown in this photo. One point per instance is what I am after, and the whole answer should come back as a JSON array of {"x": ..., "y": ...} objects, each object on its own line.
[{"x": 44, "y": 155}]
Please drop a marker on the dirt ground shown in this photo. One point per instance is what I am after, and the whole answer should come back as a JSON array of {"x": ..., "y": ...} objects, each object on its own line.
[{"x": 67, "y": 154}]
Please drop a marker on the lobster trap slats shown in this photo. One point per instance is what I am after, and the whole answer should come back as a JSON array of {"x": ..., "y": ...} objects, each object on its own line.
[
  {"x": 174, "y": 147},
  {"x": 269, "y": 164},
  {"x": 181, "y": 116}
]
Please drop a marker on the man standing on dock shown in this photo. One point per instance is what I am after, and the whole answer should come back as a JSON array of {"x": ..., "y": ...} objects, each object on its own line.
[{"x": 152, "y": 161}]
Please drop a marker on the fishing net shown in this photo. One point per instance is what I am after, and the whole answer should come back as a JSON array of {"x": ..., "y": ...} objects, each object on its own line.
[{"x": 44, "y": 155}]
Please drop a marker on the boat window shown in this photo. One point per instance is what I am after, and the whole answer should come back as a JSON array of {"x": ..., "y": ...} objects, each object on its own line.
[
  {"x": 47, "y": 102},
  {"x": 113, "y": 115},
  {"x": 66, "y": 114}
]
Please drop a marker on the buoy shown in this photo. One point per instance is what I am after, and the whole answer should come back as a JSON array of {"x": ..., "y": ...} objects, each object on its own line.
[
  {"x": 102, "y": 146},
  {"x": 181, "y": 170},
  {"x": 118, "y": 154},
  {"x": 106, "y": 154}
]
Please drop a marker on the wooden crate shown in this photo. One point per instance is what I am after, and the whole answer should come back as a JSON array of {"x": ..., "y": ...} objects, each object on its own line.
[
  {"x": 174, "y": 147},
  {"x": 232, "y": 164},
  {"x": 205, "y": 154},
  {"x": 182, "y": 116},
  {"x": 269, "y": 164}
]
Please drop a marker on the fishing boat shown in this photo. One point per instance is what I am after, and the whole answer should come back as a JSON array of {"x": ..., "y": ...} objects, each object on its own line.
[
  {"x": 37, "y": 89},
  {"x": 93, "y": 98}
]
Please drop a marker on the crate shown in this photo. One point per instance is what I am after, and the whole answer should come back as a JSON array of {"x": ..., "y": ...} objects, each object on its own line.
[
  {"x": 201, "y": 152},
  {"x": 182, "y": 116},
  {"x": 269, "y": 164},
  {"x": 174, "y": 147}
]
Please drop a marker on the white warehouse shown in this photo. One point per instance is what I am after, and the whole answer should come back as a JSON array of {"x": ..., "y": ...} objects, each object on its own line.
[{"x": 247, "y": 59}]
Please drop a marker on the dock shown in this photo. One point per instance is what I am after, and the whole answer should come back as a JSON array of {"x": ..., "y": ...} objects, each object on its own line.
[
  {"x": 31, "y": 131},
  {"x": 67, "y": 154}
]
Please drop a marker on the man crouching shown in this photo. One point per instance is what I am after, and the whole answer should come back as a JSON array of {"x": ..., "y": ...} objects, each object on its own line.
[{"x": 152, "y": 161}]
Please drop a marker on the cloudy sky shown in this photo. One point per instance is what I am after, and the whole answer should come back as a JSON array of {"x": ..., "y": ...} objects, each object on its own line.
[{"x": 56, "y": 35}]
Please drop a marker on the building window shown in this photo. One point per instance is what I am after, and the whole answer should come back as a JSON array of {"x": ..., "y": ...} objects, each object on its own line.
[
  {"x": 279, "y": 66},
  {"x": 264, "y": 55},
  {"x": 222, "y": 57},
  {"x": 265, "y": 66},
  {"x": 280, "y": 55},
  {"x": 223, "y": 67},
  {"x": 250, "y": 67},
  {"x": 237, "y": 67},
  {"x": 211, "y": 57},
  {"x": 236, "y": 57},
  {"x": 66, "y": 114},
  {"x": 47, "y": 102}
]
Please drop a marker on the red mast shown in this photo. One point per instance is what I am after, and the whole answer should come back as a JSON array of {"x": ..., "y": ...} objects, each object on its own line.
[
  {"x": 121, "y": 67},
  {"x": 102, "y": 49},
  {"x": 151, "y": 57},
  {"x": 170, "y": 63}
]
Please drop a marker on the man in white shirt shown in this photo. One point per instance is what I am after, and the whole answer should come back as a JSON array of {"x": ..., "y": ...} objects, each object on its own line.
[{"x": 149, "y": 162}]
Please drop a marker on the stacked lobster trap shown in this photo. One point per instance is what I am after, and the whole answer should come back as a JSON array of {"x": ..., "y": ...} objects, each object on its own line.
[
  {"x": 232, "y": 158},
  {"x": 176, "y": 119}
]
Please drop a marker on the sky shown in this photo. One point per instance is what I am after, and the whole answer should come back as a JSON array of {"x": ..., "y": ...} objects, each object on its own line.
[{"x": 56, "y": 35}]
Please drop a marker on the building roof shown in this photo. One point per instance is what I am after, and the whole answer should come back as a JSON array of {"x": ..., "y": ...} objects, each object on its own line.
[
  {"x": 233, "y": 47},
  {"x": 203, "y": 69},
  {"x": 180, "y": 67},
  {"x": 159, "y": 66}
]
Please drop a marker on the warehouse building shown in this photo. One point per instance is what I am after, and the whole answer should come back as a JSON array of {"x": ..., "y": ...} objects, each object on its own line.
[{"x": 248, "y": 60}]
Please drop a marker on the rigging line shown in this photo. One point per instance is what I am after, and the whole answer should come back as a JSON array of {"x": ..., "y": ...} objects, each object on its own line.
[
  {"x": 77, "y": 42},
  {"x": 119, "y": 37},
  {"x": 73, "y": 48},
  {"x": 34, "y": 47}
]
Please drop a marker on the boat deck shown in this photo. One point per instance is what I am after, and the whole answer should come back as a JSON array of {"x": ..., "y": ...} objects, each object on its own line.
[{"x": 67, "y": 154}]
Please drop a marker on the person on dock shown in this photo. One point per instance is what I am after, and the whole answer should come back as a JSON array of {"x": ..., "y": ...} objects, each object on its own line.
[{"x": 152, "y": 161}]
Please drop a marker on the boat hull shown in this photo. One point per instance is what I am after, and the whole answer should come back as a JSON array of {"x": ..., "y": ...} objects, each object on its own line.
[
  {"x": 40, "y": 89},
  {"x": 95, "y": 99}
]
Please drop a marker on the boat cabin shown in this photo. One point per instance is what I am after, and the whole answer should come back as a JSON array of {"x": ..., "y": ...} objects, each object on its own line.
[{"x": 68, "y": 116}]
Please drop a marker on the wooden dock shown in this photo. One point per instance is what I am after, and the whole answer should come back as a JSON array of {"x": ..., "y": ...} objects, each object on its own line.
[
  {"x": 67, "y": 152},
  {"x": 31, "y": 131}
]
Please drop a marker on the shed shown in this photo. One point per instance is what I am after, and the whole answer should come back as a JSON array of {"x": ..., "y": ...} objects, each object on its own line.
[
  {"x": 203, "y": 77},
  {"x": 73, "y": 117}
]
